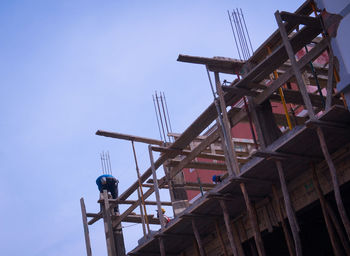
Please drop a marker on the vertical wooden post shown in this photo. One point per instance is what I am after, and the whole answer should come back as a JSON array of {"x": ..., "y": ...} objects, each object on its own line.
[
  {"x": 86, "y": 227},
  {"x": 289, "y": 209},
  {"x": 228, "y": 227},
  {"x": 252, "y": 108},
  {"x": 161, "y": 246},
  {"x": 338, "y": 228},
  {"x": 143, "y": 212},
  {"x": 198, "y": 238},
  {"x": 237, "y": 240},
  {"x": 111, "y": 249},
  {"x": 330, "y": 78},
  {"x": 226, "y": 128},
  {"x": 330, "y": 229},
  {"x": 295, "y": 68},
  {"x": 218, "y": 232},
  {"x": 287, "y": 236},
  {"x": 254, "y": 221},
  {"x": 156, "y": 188},
  {"x": 333, "y": 172},
  {"x": 196, "y": 248},
  {"x": 224, "y": 148},
  {"x": 235, "y": 167}
]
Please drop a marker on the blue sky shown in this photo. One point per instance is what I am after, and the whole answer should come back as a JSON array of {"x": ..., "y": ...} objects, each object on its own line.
[{"x": 68, "y": 68}]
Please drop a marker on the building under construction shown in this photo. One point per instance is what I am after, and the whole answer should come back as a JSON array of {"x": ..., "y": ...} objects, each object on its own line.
[{"x": 276, "y": 138}]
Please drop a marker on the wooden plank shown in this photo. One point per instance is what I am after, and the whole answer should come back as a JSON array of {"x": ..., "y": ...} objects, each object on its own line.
[
  {"x": 218, "y": 64},
  {"x": 112, "y": 201},
  {"x": 129, "y": 137},
  {"x": 86, "y": 228}
]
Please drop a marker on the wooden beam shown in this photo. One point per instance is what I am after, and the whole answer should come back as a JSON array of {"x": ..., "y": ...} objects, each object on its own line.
[
  {"x": 283, "y": 155},
  {"x": 222, "y": 243},
  {"x": 86, "y": 228},
  {"x": 241, "y": 91},
  {"x": 287, "y": 236},
  {"x": 95, "y": 217},
  {"x": 288, "y": 46},
  {"x": 187, "y": 152},
  {"x": 332, "y": 125},
  {"x": 295, "y": 97},
  {"x": 129, "y": 137},
  {"x": 334, "y": 241},
  {"x": 161, "y": 246},
  {"x": 228, "y": 227},
  {"x": 335, "y": 182},
  {"x": 311, "y": 55},
  {"x": 289, "y": 209},
  {"x": 330, "y": 78},
  {"x": 217, "y": 64},
  {"x": 111, "y": 248},
  {"x": 156, "y": 190},
  {"x": 115, "y": 201},
  {"x": 138, "y": 219},
  {"x": 235, "y": 168},
  {"x": 198, "y": 238},
  {"x": 297, "y": 19},
  {"x": 199, "y": 165}
]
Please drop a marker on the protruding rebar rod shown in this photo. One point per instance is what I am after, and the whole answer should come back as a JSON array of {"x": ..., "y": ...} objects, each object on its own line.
[
  {"x": 234, "y": 35},
  {"x": 246, "y": 29},
  {"x": 155, "y": 110},
  {"x": 160, "y": 117},
  {"x": 167, "y": 112}
]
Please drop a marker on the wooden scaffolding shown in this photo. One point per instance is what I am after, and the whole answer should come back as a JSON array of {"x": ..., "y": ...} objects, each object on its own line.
[{"x": 255, "y": 194}]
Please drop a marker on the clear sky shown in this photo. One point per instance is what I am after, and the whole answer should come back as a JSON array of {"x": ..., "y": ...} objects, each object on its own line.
[{"x": 70, "y": 67}]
